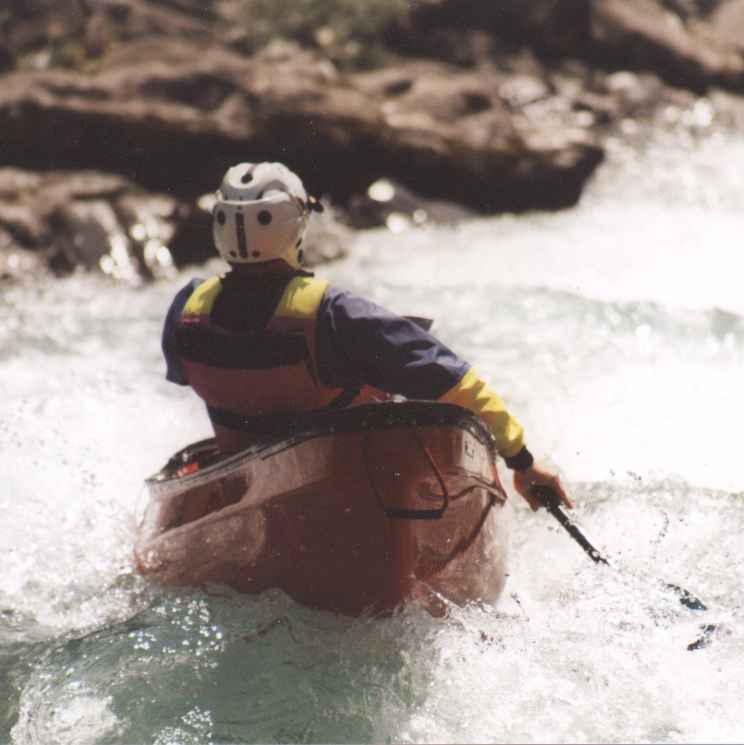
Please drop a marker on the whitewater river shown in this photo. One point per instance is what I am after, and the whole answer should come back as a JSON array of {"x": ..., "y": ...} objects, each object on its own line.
[{"x": 615, "y": 331}]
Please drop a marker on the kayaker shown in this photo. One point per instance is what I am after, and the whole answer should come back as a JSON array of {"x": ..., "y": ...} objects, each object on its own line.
[{"x": 268, "y": 338}]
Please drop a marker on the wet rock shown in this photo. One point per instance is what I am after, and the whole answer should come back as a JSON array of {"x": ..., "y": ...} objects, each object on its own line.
[
  {"x": 391, "y": 204},
  {"x": 729, "y": 109},
  {"x": 459, "y": 46},
  {"x": 192, "y": 241},
  {"x": 18, "y": 264},
  {"x": 172, "y": 125},
  {"x": 519, "y": 91},
  {"x": 62, "y": 221},
  {"x": 24, "y": 223},
  {"x": 691, "y": 51},
  {"x": 65, "y": 220},
  {"x": 555, "y": 27},
  {"x": 85, "y": 231},
  {"x": 727, "y": 25},
  {"x": 690, "y": 43},
  {"x": 327, "y": 237},
  {"x": 494, "y": 140},
  {"x": 33, "y": 24},
  {"x": 503, "y": 112},
  {"x": 39, "y": 34},
  {"x": 632, "y": 94}
]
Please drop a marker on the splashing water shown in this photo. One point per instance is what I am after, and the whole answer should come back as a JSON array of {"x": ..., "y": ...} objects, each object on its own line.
[{"x": 615, "y": 332}]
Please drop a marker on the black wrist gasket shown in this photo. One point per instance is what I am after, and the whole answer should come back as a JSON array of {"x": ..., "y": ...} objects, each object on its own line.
[{"x": 521, "y": 461}]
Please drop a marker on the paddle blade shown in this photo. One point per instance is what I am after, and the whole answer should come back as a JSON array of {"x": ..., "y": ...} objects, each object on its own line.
[
  {"x": 704, "y": 639},
  {"x": 687, "y": 598}
]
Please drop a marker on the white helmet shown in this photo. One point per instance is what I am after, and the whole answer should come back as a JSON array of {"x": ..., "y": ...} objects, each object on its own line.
[{"x": 261, "y": 214}]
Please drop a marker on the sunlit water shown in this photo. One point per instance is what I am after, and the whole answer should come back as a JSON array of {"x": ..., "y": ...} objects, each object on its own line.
[{"x": 616, "y": 333}]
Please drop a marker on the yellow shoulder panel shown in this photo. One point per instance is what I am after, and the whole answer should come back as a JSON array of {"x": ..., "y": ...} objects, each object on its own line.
[
  {"x": 301, "y": 298},
  {"x": 202, "y": 298}
]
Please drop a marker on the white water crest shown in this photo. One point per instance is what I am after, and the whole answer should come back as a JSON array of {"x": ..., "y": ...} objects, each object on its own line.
[{"x": 615, "y": 332}]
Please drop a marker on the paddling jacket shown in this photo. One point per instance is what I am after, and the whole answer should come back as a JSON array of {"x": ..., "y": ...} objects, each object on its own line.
[{"x": 254, "y": 347}]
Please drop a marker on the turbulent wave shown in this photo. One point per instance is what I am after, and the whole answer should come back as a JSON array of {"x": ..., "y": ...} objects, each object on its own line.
[{"x": 614, "y": 337}]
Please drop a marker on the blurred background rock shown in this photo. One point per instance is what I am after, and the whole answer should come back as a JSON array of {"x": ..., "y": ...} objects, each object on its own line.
[{"x": 119, "y": 116}]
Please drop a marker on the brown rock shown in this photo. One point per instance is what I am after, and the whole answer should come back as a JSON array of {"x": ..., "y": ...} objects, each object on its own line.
[
  {"x": 83, "y": 218},
  {"x": 65, "y": 220},
  {"x": 555, "y": 27},
  {"x": 68, "y": 33},
  {"x": 24, "y": 223},
  {"x": 389, "y": 203},
  {"x": 31, "y": 24},
  {"x": 174, "y": 122},
  {"x": 17, "y": 264},
  {"x": 643, "y": 33},
  {"x": 727, "y": 22},
  {"x": 690, "y": 43},
  {"x": 327, "y": 238},
  {"x": 85, "y": 231},
  {"x": 510, "y": 133}
]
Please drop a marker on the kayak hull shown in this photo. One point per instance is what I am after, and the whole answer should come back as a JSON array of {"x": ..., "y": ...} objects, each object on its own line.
[{"x": 361, "y": 511}]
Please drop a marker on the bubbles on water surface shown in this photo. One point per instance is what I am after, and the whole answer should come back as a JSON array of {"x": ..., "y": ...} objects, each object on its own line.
[
  {"x": 72, "y": 716},
  {"x": 585, "y": 650},
  {"x": 626, "y": 374},
  {"x": 219, "y": 666}
]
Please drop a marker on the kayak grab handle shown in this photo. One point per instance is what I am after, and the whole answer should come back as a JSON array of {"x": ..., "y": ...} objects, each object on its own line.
[{"x": 404, "y": 513}]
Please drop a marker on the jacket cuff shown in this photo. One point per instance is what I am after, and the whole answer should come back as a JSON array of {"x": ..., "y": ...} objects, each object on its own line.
[{"x": 521, "y": 461}]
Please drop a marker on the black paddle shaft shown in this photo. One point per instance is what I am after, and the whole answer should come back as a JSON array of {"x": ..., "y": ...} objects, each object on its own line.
[{"x": 552, "y": 503}]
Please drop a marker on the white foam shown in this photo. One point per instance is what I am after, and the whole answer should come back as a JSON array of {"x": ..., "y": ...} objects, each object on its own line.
[{"x": 598, "y": 326}]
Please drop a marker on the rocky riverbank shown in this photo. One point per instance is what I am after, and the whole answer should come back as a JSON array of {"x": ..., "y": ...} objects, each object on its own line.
[{"x": 118, "y": 115}]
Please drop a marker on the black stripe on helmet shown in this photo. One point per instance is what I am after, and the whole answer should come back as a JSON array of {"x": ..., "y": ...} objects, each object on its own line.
[{"x": 240, "y": 230}]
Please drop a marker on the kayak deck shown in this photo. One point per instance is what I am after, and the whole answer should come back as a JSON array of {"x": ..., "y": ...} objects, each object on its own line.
[{"x": 357, "y": 512}]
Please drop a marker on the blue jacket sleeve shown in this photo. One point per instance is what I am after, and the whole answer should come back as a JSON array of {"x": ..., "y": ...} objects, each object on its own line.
[
  {"x": 173, "y": 370},
  {"x": 358, "y": 342},
  {"x": 361, "y": 343}
]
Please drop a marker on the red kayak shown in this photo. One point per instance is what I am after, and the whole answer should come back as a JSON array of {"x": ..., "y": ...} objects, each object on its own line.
[{"x": 356, "y": 511}]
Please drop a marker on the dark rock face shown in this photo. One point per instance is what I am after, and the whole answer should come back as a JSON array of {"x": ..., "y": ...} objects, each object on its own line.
[
  {"x": 175, "y": 126},
  {"x": 688, "y": 48},
  {"x": 556, "y": 27},
  {"x": 467, "y": 136},
  {"x": 84, "y": 219},
  {"x": 62, "y": 220},
  {"x": 42, "y": 33},
  {"x": 690, "y": 43},
  {"x": 124, "y": 113},
  {"x": 389, "y": 203},
  {"x": 172, "y": 127},
  {"x": 26, "y": 25}
]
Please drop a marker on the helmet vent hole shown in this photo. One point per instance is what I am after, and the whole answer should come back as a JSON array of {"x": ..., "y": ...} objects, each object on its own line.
[
  {"x": 264, "y": 217},
  {"x": 301, "y": 256},
  {"x": 221, "y": 217},
  {"x": 299, "y": 243},
  {"x": 246, "y": 178}
]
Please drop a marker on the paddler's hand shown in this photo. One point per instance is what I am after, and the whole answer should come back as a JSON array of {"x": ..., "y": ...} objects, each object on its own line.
[{"x": 524, "y": 481}]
